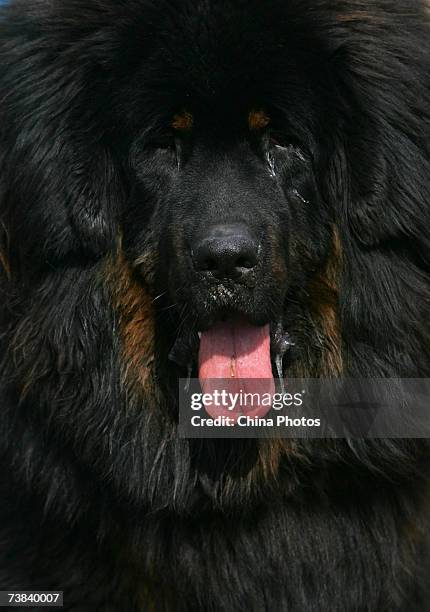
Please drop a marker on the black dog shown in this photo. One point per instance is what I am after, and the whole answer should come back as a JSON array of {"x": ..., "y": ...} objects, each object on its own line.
[{"x": 242, "y": 171}]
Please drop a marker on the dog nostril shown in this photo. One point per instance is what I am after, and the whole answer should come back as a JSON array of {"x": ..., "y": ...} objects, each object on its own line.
[{"x": 225, "y": 251}]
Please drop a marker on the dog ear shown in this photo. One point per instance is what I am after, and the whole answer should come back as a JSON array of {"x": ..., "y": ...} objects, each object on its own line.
[
  {"x": 60, "y": 182},
  {"x": 388, "y": 187},
  {"x": 382, "y": 148}
]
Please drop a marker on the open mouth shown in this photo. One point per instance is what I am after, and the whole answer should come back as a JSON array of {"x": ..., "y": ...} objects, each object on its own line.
[{"x": 246, "y": 358}]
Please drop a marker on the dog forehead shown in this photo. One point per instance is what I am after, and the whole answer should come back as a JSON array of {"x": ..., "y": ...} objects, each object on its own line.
[{"x": 225, "y": 51}]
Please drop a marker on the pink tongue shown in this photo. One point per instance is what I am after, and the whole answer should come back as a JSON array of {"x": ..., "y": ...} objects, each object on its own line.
[{"x": 238, "y": 353}]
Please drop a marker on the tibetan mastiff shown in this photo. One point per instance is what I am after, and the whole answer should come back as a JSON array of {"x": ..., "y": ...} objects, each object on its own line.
[{"x": 180, "y": 180}]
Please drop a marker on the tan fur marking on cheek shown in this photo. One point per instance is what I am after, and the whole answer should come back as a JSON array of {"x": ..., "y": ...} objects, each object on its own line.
[
  {"x": 278, "y": 266},
  {"x": 350, "y": 17},
  {"x": 333, "y": 363},
  {"x": 334, "y": 262},
  {"x": 134, "y": 308},
  {"x": 361, "y": 16},
  {"x": 183, "y": 121},
  {"x": 324, "y": 291},
  {"x": 5, "y": 265},
  {"x": 4, "y": 250},
  {"x": 258, "y": 120}
]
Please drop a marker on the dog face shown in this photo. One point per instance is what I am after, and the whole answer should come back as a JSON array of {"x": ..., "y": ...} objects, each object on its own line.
[
  {"x": 228, "y": 219},
  {"x": 226, "y": 187}
]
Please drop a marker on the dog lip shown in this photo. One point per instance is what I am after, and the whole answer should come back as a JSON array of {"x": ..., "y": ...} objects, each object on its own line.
[
  {"x": 232, "y": 316},
  {"x": 280, "y": 340},
  {"x": 185, "y": 349},
  {"x": 280, "y": 345}
]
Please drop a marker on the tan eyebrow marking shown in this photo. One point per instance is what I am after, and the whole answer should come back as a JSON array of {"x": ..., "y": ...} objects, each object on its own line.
[
  {"x": 257, "y": 120},
  {"x": 183, "y": 121},
  {"x": 360, "y": 15}
]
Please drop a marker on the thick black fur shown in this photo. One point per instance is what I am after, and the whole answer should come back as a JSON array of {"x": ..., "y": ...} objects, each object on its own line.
[{"x": 100, "y": 199}]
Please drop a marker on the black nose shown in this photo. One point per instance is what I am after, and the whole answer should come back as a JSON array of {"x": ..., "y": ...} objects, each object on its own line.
[{"x": 225, "y": 251}]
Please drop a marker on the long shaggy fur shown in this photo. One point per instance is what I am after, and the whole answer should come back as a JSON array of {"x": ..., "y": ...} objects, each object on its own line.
[{"x": 100, "y": 497}]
